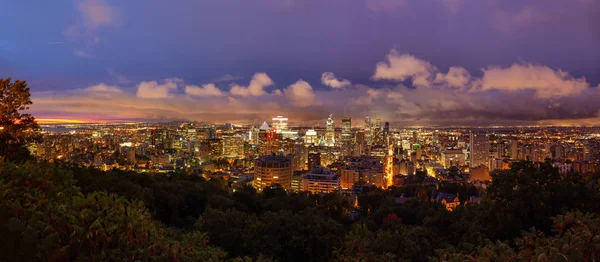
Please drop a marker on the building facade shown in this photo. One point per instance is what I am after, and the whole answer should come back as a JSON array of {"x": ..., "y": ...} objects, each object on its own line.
[
  {"x": 270, "y": 170},
  {"x": 480, "y": 150},
  {"x": 321, "y": 180}
]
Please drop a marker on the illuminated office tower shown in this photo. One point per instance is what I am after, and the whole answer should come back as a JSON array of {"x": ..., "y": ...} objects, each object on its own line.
[
  {"x": 386, "y": 133},
  {"x": 131, "y": 156},
  {"x": 212, "y": 132},
  {"x": 314, "y": 159},
  {"x": 359, "y": 143},
  {"x": 330, "y": 132},
  {"x": 233, "y": 145},
  {"x": 587, "y": 152},
  {"x": 378, "y": 132},
  {"x": 280, "y": 123},
  {"x": 414, "y": 137},
  {"x": 368, "y": 131},
  {"x": 271, "y": 170},
  {"x": 346, "y": 130},
  {"x": 215, "y": 147},
  {"x": 480, "y": 150},
  {"x": 267, "y": 140},
  {"x": 346, "y": 138},
  {"x": 310, "y": 138},
  {"x": 558, "y": 151},
  {"x": 514, "y": 149}
]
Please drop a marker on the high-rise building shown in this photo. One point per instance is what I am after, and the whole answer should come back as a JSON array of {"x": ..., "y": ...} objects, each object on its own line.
[
  {"x": 280, "y": 124},
  {"x": 330, "y": 132},
  {"x": 300, "y": 157},
  {"x": 406, "y": 167},
  {"x": 215, "y": 147},
  {"x": 212, "y": 132},
  {"x": 270, "y": 170},
  {"x": 415, "y": 137},
  {"x": 321, "y": 180},
  {"x": 359, "y": 143},
  {"x": 558, "y": 151},
  {"x": 378, "y": 132},
  {"x": 349, "y": 177},
  {"x": 310, "y": 138},
  {"x": 480, "y": 149},
  {"x": 131, "y": 156},
  {"x": 368, "y": 131},
  {"x": 453, "y": 157},
  {"x": 346, "y": 130},
  {"x": 346, "y": 137},
  {"x": 267, "y": 140},
  {"x": 587, "y": 152},
  {"x": 386, "y": 133},
  {"x": 314, "y": 160},
  {"x": 233, "y": 145}
]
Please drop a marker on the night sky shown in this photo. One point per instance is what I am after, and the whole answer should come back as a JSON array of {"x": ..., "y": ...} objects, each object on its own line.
[{"x": 410, "y": 62}]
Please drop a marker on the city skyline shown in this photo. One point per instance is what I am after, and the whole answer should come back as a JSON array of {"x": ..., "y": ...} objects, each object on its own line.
[
  {"x": 477, "y": 63},
  {"x": 300, "y": 130}
]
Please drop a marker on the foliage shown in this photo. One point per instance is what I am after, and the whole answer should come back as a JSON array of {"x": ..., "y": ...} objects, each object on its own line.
[
  {"x": 16, "y": 128},
  {"x": 406, "y": 243},
  {"x": 44, "y": 217},
  {"x": 55, "y": 211},
  {"x": 576, "y": 237},
  {"x": 304, "y": 236}
]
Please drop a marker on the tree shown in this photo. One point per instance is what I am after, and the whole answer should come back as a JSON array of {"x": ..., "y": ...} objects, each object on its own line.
[
  {"x": 16, "y": 128},
  {"x": 575, "y": 237},
  {"x": 45, "y": 217}
]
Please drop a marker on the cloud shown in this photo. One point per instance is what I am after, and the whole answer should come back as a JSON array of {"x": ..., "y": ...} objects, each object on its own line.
[
  {"x": 226, "y": 78},
  {"x": 94, "y": 14},
  {"x": 456, "y": 77},
  {"x": 82, "y": 54},
  {"x": 517, "y": 94},
  {"x": 366, "y": 95},
  {"x": 255, "y": 88},
  {"x": 205, "y": 90},
  {"x": 329, "y": 79},
  {"x": 542, "y": 80},
  {"x": 103, "y": 88},
  {"x": 97, "y": 13},
  {"x": 300, "y": 94},
  {"x": 385, "y": 5},
  {"x": 154, "y": 90},
  {"x": 400, "y": 67}
]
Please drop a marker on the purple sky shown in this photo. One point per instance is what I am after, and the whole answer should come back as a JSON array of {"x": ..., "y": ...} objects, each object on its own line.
[{"x": 413, "y": 62}]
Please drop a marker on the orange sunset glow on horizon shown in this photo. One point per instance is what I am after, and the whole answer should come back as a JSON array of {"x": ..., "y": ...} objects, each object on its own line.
[{"x": 46, "y": 121}]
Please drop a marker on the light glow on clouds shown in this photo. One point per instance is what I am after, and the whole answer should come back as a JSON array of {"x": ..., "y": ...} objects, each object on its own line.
[
  {"x": 154, "y": 90},
  {"x": 400, "y": 67},
  {"x": 103, "y": 88},
  {"x": 329, "y": 79},
  {"x": 300, "y": 94},
  {"x": 204, "y": 90},
  {"x": 256, "y": 87},
  {"x": 544, "y": 81},
  {"x": 521, "y": 93}
]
